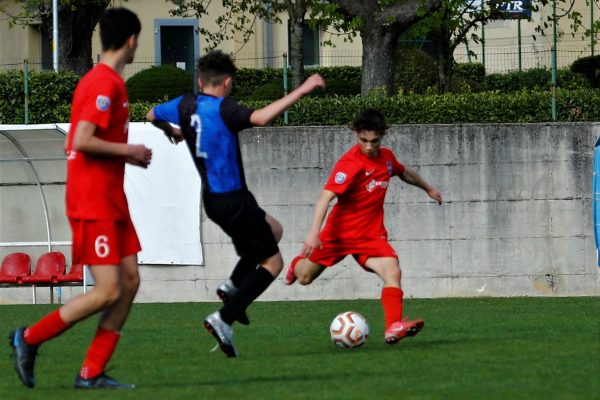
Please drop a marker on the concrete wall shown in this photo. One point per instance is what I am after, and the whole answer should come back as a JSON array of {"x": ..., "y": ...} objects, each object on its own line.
[{"x": 517, "y": 220}]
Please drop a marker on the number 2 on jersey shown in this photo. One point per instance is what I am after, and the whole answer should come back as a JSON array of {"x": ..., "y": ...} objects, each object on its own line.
[{"x": 196, "y": 123}]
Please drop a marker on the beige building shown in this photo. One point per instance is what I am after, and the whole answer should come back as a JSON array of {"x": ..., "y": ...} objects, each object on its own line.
[
  {"x": 501, "y": 49},
  {"x": 166, "y": 39}
]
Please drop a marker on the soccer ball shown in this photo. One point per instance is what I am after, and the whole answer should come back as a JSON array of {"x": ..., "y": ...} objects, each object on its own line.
[{"x": 349, "y": 329}]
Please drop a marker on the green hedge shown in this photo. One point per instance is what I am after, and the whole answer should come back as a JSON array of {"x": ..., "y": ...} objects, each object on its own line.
[
  {"x": 50, "y": 96},
  {"x": 415, "y": 71},
  {"x": 251, "y": 83},
  {"x": 471, "y": 71},
  {"x": 573, "y": 106},
  {"x": 534, "y": 79},
  {"x": 588, "y": 67},
  {"x": 486, "y": 107},
  {"x": 158, "y": 83}
]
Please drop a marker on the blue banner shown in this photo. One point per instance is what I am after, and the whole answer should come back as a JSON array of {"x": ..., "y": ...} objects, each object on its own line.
[
  {"x": 516, "y": 8},
  {"x": 596, "y": 196}
]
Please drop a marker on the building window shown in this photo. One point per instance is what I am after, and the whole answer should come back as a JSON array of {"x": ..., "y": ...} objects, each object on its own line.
[
  {"x": 310, "y": 44},
  {"x": 45, "y": 52}
]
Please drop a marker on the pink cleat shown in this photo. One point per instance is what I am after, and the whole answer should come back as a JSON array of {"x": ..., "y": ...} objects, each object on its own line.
[
  {"x": 401, "y": 329},
  {"x": 290, "y": 275}
]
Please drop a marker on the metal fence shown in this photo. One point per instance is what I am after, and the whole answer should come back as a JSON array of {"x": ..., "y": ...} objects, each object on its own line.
[{"x": 496, "y": 58}]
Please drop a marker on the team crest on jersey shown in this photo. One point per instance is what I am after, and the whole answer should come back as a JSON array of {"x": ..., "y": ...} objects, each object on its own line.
[
  {"x": 102, "y": 102},
  {"x": 389, "y": 167},
  {"x": 340, "y": 178}
]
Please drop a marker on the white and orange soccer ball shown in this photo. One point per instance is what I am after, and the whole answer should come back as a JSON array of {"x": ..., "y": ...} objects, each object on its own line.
[{"x": 349, "y": 329}]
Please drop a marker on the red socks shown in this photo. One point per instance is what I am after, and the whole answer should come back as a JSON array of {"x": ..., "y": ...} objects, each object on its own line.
[
  {"x": 99, "y": 353},
  {"x": 45, "y": 329},
  {"x": 391, "y": 299}
]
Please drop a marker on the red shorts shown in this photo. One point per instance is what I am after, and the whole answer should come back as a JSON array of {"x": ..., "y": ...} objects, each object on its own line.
[
  {"x": 334, "y": 251},
  {"x": 103, "y": 242}
]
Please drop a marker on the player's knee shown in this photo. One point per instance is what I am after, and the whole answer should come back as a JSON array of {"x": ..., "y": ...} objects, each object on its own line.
[
  {"x": 277, "y": 231},
  {"x": 274, "y": 264},
  {"x": 276, "y": 227},
  {"x": 304, "y": 279},
  {"x": 393, "y": 274},
  {"x": 131, "y": 284},
  {"x": 106, "y": 297}
]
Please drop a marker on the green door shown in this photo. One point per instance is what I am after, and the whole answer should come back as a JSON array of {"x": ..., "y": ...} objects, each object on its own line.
[{"x": 177, "y": 46}]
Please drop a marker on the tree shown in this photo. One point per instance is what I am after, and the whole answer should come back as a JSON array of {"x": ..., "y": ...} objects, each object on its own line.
[
  {"x": 380, "y": 24},
  {"x": 238, "y": 18},
  {"x": 449, "y": 26},
  {"x": 77, "y": 19},
  {"x": 457, "y": 22}
]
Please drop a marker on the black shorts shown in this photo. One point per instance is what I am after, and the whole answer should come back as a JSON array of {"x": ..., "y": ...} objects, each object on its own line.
[{"x": 239, "y": 215}]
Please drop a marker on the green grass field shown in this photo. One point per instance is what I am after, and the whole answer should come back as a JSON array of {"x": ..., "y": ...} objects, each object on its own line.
[{"x": 516, "y": 348}]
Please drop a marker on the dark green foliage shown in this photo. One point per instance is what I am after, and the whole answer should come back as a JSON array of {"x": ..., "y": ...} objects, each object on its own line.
[
  {"x": 339, "y": 87},
  {"x": 347, "y": 74},
  {"x": 484, "y": 107},
  {"x": 590, "y": 68},
  {"x": 247, "y": 80},
  {"x": 138, "y": 110},
  {"x": 270, "y": 91},
  {"x": 159, "y": 83},
  {"x": 264, "y": 84},
  {"x": 533, "y": 79},
  {"x": 50, "y": 96},
  {"x": 342, "y": 81},
  {"x": 471, "y": 71},
  {"x": 11, "y": 98},
  {"x": 416, "y": 71}
]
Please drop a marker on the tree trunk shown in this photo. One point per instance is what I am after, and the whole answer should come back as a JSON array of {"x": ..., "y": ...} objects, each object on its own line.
[
  {"x": 75, "y": 30},
  {"x": 445, "y": 59},
  {"x": 296, "y": 13},
  {"x": 379, "y": 44}
]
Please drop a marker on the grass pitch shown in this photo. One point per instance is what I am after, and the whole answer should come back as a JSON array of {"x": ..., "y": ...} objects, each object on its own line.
[{"x": 515, "y": 348}]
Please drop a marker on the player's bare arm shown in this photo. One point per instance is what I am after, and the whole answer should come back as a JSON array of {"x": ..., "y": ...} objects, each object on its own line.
[
  {"x": 312, "y": 241},
  {"x": 411, "y": 177},
  {"x": 263, "y": 116},
  {"x": 173, "y": 133},
  {"x": 86, "y": 141}
]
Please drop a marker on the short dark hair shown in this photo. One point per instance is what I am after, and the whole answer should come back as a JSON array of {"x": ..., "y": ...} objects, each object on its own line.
[
  {"x": 116, "y": 26},
  {"x": 370, "y": 119},
  {"x": 214, "y": 67}
]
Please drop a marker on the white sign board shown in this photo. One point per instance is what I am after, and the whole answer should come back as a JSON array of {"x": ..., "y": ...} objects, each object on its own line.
[{"x": 164, "y": 200}]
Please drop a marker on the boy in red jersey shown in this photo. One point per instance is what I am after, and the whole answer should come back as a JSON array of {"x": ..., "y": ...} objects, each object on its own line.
[
  {"x": 104, "y": 237},
  {"x": 359, "y": 180}
]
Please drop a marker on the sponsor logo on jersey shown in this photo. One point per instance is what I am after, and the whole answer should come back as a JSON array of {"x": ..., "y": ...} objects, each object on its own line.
[
  {"x": 102, "y": 102},
  {"x": 340, "y": 178},
  {"x": 376, "y": 184}
]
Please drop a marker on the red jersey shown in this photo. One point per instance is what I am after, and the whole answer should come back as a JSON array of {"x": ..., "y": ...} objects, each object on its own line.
[
  {"x": 360, "y": 183},
  {"x": 95, "y": 184}
]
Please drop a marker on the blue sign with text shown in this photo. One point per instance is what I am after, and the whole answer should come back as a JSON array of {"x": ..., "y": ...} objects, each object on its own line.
[{"x": 516, "y": 8}]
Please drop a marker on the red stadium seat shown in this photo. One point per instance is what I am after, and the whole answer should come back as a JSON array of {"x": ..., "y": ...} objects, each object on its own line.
[
  {"x": 48, "y": 268},
  {"x": 15, "y": 267},
  {"x": 75, "y": 274}
]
